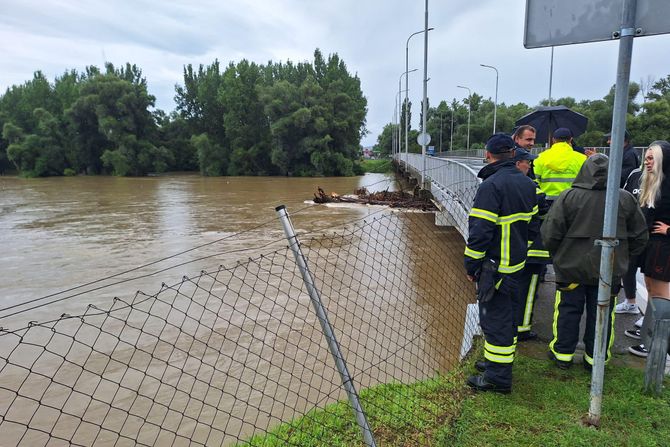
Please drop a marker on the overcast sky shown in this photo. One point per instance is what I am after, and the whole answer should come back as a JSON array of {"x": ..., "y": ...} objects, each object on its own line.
[{"x": 369, "y": 35}]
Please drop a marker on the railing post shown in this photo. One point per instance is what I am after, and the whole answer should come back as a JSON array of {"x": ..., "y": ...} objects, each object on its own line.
[
  {"x": 655, "y": 369},
  {"x": 326, "y": 327}
]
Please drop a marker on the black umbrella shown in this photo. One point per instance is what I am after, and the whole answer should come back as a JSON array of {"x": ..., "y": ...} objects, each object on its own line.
[{"x": 547, "y": 119}]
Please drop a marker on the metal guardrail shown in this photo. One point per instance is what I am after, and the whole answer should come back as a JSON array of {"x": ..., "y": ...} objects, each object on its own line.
[{"x": 452, "y": 183}]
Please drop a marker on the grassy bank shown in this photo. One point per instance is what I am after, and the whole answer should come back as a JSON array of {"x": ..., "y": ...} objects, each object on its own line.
[
  {"x": 546, "y": 408},
  {"x": 377, "y": 166}
]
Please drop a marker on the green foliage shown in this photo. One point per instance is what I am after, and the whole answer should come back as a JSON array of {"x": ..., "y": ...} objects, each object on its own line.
[
  {"x": 377, "y": 166},
  {"x": 250, "y": 119},
  {"x": 647, "y": 122}
]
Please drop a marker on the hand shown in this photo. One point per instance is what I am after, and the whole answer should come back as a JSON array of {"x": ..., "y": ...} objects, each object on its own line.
[
  {"x": 471, "y": 278},
  {"x": 660, "y": 228},
  {"x": 588, "y": 152}
]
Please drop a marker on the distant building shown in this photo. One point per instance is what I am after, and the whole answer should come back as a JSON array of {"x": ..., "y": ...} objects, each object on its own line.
[{"x": 368, "y": 152}]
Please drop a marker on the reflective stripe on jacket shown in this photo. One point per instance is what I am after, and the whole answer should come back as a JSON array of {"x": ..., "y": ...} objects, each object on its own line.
[
  {"x": 502, "y": 220},
  {"x": 556, "y": 168}
]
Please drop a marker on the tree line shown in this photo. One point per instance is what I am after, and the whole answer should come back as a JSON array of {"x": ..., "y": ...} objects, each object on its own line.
[
  {"x": 647, "y": 119},
  {"x": 297, "y": 119}
]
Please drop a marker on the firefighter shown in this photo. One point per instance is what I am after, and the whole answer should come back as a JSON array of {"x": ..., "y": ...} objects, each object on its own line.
[
  {"x": 536, "y": 261},
  {"x": 569, "y": 232},
  {"x": 502, "y": 220}
]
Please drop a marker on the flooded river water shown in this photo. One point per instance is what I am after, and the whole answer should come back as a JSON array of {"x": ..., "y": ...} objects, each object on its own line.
[{"x": 395, "y": 288}]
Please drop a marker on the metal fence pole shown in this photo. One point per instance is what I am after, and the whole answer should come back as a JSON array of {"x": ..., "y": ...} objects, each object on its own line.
[
  {"x": 326, "y": 327},
  {"x": 609, "y": 240}
]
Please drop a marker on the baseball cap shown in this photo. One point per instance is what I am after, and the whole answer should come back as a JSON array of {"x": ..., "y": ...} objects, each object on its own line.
[
  {"x": 499, "y": 143},
  {"x": 562, "y": 132},
  {"x": 523, "y": 154},
  {"x": 626, "y": 135}
]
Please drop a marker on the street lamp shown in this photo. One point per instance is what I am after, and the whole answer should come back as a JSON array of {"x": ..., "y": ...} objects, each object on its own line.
[
  {"x": 495, "y": 104},
  {"x": 424, "y": 103},
  {"x": 400, "y": 112},
  {"x": 451, "y": 134},
  {"x": 407, "y": 89},
  {"x": 469, "y": 107}
]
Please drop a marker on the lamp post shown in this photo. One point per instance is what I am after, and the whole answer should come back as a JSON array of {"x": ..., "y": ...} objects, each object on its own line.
[
  {"x": 407, "y": 89},
  {"x": 424, "y": 103},
  {"x": 451, "y": 134},
  {"x": 469, "y": 108},
  {"x": 440, "y": 131},
  {"x": 495, "y": 104},
  {"x": 400, "y": 112},
  {"x": 551, "y": 73}
]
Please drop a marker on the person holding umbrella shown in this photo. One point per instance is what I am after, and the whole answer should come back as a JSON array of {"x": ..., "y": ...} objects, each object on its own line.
[{"x": 556, "y": 168}]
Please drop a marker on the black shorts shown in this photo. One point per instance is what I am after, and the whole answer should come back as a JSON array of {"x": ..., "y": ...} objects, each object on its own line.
[{"x": 656, "y": 259}]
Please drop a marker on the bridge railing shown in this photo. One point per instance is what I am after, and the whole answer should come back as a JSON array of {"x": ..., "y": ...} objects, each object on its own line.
[{"x": 452, "y": 183}]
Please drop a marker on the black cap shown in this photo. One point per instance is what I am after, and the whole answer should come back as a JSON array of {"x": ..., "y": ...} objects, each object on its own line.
[
  {"x": 500, "y": 143},
  {"x": 523, "y": 154},
  {"x": 626, "y": 135},
  {"x": 562, "y": 132}
]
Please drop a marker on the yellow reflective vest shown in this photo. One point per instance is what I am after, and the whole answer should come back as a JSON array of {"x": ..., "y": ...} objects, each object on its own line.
[{"x": 556, "y": 168}]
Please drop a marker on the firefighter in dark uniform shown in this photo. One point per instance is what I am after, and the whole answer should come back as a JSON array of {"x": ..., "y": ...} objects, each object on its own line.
[
  {"x": 536, "y": 260},
  {"x": 502, "y": 221}
]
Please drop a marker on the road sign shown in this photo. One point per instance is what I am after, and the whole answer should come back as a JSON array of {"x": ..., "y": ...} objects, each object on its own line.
[
  {"x": 423, "y": 139},
  {"x": 430, "y": 150},
  {"x": 565, "y": 22}
]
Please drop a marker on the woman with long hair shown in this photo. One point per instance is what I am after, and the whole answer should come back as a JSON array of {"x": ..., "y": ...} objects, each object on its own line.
[{"x": 655, "y": 203}]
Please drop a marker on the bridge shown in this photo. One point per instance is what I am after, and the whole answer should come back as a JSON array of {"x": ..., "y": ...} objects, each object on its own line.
[{"x": 451, "y": 180}]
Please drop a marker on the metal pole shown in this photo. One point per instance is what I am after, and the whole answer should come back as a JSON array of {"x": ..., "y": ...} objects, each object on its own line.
[
  {"x": 401, "y": 109},
  {"x": 407, "y": 92},
  {"x": 495, "y": 104},
  {"x": 469, "y": 109},
  {"x": 327, "y": 328},
  {"x": 425, "y": 94},
  {"x": 440, "y": 131},
  {"x": 451, "y": 134},
  {"x": 609, "y": 240},
  {"x": 551, "y": 73}
]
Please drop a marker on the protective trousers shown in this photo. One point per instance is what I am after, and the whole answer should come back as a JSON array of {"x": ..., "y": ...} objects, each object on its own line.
[
  {"x": 498, "y": 322},
  {"x": 528, "y": 285},
  {"x": 571, "y": 299}
]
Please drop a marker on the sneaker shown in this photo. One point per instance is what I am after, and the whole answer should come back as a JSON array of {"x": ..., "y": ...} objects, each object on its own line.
[
  {"x": 639, "y": 322},
  {"x": 639, "y": 351},
  {"x": 625, "y": 308},
  {"x": 633, "y": 333}
]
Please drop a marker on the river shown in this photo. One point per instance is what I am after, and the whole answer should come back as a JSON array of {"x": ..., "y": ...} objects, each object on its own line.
[{"x": 401, "y": 320}]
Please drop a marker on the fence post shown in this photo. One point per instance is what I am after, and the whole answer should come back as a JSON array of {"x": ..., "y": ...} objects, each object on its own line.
[
  {"x": 326, "y": 327},
  {"x": 655, "y": 369}
]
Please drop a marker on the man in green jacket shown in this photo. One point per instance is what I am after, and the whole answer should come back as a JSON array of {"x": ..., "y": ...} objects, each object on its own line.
[{"x": 573, "y": 224}]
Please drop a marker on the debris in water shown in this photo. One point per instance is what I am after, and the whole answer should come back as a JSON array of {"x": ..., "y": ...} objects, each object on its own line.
[{"x": 393, "y": 199}]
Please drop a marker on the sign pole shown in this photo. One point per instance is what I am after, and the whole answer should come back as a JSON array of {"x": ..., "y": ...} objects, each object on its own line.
[{"x": 609, "y": 240}]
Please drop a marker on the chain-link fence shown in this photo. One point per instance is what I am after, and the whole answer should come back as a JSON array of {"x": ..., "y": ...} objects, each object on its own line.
[{"x": 235, "y": 355}]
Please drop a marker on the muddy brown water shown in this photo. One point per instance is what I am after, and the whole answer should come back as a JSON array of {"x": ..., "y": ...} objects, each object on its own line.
[{"x": 59, "y": 233}]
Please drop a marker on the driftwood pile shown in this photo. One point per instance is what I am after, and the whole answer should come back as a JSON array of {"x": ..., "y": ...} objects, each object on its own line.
[{"x": 393, "y": 199}]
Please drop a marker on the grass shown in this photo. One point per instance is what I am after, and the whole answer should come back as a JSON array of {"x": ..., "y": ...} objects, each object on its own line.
[
  {"x": 377, "y": 166},
  {"x": 546, "y": 408}
]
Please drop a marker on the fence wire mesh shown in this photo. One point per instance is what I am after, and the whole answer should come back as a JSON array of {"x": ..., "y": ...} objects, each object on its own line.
[{"x": 235, "y": 356}]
